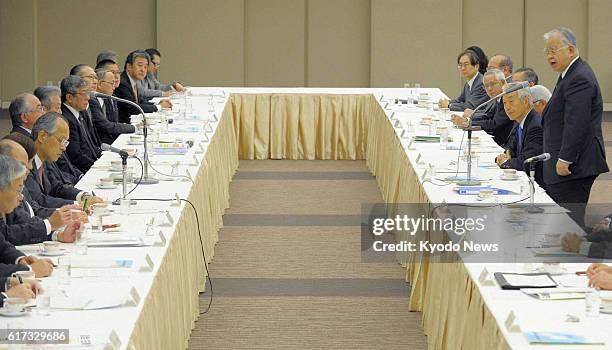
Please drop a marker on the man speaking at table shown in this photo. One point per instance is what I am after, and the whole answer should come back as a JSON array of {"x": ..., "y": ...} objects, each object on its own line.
[{"x": 572, "y": 126}]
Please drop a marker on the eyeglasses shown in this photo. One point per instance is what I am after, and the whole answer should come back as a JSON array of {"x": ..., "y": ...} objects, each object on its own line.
[
  {"x": 553, "y": 51},
  {"x": 92, "y": 77},
  {"x": 80, "y": 93},
  {"x": 156, "y": 64},
  {"x": 463, "y": 65},
  {"x": 112, "y": 83},
  {"x": 491, "y": 85},
  {"x": 63, "y": 142}
]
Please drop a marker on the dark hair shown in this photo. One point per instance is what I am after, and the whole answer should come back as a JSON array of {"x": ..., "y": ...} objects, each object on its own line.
[
  {"x": 483, "y": 60},
  {"x": 471, "y": 56},
  {"x": 132, "y": 56},
  {"x": 71, "y": 85},
  {"x": 76, "y": 70},
  {"x": 530, "y": 75},
  {"x": 153, "y": 52},
  {"x": 24, "y": 141},
  {"x": 103, "y": 63}
]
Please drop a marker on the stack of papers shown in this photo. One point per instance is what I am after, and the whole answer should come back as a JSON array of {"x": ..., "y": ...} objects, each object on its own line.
[{"x": 561, "y": 338}]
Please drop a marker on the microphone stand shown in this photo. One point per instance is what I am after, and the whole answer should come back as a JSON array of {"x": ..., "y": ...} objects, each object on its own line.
[
  {"x": 146, "y": 178},
  {"x": 124, "y": 181},
  {"x": 532, "y": 209}
]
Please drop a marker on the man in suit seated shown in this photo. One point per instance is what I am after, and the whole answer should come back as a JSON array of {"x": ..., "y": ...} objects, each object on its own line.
[
  {"x": 596, "y": 244},
  {"x": 525, "y": 74},
  {"x": 104, "y": 111},
  {"x": 50, "y": 98},
  {"x": 135, "y": 69},
  {"x": 11, "y": 260},
  {"x": 150, "y": 87},
  {"x": 540, "y": 95},
  {"x": 25, "y": 109},
  {"x": 81, "y": 149},
  {"x": 473, "y": 92},
  {"x": 110, "y": 66},
  {"x": 87, "y": 73},
  {"x": 45, "y": 182},
  {"x": 502, "y": 63},
  {"x": 526, "y": 138},
  {"x": 493, "y": 118},
  {"x": 572, "y": 126},
  {"x": 21, "y": 226},
  {"x": 106, "y": 55}
]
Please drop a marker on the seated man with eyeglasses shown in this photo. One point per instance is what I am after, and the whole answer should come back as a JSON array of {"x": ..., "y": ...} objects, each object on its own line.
[{"x": 45, "y": 182}]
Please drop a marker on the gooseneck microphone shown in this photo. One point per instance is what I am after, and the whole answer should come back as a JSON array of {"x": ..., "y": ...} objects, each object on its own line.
[
  {"x": 539, "y": 158},
  {"x": 107, "y": 147}
]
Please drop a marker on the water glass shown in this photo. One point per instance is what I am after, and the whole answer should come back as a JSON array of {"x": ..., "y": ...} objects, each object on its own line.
[
  {"x": 81, "y": 244},
  {"x": 63, "y": 270},
  {"x": 124, "y": 206},
  {"x": 592, "y": 302},
  {"x": 43, "y": 303},
  {"x": 443, "y": 137}
]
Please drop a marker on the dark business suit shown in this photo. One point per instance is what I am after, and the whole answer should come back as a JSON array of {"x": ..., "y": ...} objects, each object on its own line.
[
  {"x": 530, "y": 146},
  {"x": 70, "y": 171},
  {"x": 572, "y": 132},
  {"x": 39, "y": 211},
  {"x": 106, "y": 120},
  {"x": 8, "y": 256},
  {"x": 81, "y": 151},
  {"x": 470, "y": 97},
  {"x": 495, "y": 122},
  {"x": 125, "y": 90},
  {"x": 87, "y": 116},
  {"x": 53, "y": 192},
  {"x": 21, "y": 228}
]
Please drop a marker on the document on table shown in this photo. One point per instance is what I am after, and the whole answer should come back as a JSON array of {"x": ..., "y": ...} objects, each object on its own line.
[
  {"x": 561, "y": 338},
  {"x": 527, "y": 280}
]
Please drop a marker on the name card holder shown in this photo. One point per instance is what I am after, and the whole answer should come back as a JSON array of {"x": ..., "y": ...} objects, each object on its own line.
[
  {"x": 148, "y": 264},
  {"x": 134, "y": 298},
  {"x": 410, "y": 146},
  {"x": 114, "y": 343},
  {"x": 200, "y": 149},
  {"x": 162, "y": 240},
  {"x": 170, "y": 220},
  {"x": 392, "y": 117},
  {"x": 188, "y": 174},
  {"x": 424, "y": 175},
  {"x": 419, "y": 159},
  {"x": 397, "y": 124},
  {"x": 485, "y": 278},
  {"x": 512, "y": 324}
]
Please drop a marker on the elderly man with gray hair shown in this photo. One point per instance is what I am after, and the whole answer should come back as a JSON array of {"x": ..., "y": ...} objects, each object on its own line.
[
  {"x": 11, "y": 260},
  {"x": 525, "y": 140},
  {"x": 503, "y": 63},
  {"x": 493, "y": 119},
  {"x": 50, "y": 98},
  {"x": 572, "y": 126},
  {"x": 540, "y": 96},
  {"x": 81, "y": 149},
  {"x": 25, "y": 109},
  {"x": 46, "y": 184}
]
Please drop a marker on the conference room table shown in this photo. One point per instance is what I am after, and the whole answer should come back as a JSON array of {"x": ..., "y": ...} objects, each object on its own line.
[{"x": 146, "y": 296}]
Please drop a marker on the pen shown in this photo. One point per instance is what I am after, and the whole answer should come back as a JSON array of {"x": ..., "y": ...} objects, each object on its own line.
[
  {"x": 85, "y": 207},
  {"x": 580, "y": 273}
]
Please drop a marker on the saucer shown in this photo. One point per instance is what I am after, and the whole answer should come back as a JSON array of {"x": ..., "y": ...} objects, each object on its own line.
[
  {"x": 59, "y": 252},
  {"x": 106, "y": 187},
  {"x": 135, "y": 143},
  {"x": 509, "y": 178},
  {"x": 7, "y": 313}
]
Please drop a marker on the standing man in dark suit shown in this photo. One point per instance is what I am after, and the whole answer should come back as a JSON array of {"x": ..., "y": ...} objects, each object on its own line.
[
  {"x": 473, "y": 92},
  {"x": 104, "y": 111},
  {"x": 493, "y": 119},
  {"x": 572, "y": 126},
  {"x": 45, "y": 183},
  {"x": 525, "y": 141},
  {"x": 81, "y": 149},
  {"x": 135, "y": 69}
]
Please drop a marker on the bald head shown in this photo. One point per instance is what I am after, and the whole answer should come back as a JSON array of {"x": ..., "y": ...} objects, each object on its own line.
[{"x": 14, "y": 150}]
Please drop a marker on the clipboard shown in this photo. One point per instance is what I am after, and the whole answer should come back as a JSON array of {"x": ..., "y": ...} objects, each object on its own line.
[{"x": 540, "y": 280}]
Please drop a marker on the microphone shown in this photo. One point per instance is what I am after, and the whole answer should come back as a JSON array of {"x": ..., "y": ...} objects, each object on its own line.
[
  {"x": 541, "y": 158},
  {"x": 107, "y": 147}
]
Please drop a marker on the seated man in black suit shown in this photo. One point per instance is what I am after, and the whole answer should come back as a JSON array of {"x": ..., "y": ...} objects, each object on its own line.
[
  {"x": 21, "y": 226},
  {"x": 526, "y": 138},
  {"x": 502, "y": 63},
  {"x": 45, "y": 182},
  {"x": 110, "y": 66},
  {"x": 473, "y": 92},
  {"x": 596, "y": 244},
  {"x": 526, "y": 74},
  {"x": 104, "y": 111},
  {"x": 50, "y": 98},
  {"x": 87, "y": 73},
  {"x": 135, "y": 69},
  {"x": 25, "y": 109},
  {"x": 540, "y": 95},
  {"x": 81, "y": 149},
  {"x": 11, "y": 259},
  {"x": 493, "y": 118}
]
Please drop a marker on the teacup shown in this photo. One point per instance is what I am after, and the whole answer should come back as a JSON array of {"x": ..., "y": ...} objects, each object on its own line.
[
  {"x": 116, "y": 165},
  {"x": 14, "y": 305},
  {"x": 130, "y": 151},
  {"x": 510, "y": 173},
  {"x": 105, "y": 182},
  {"x": 51, "y": 246},
  {"x": 135, "y": 138}
]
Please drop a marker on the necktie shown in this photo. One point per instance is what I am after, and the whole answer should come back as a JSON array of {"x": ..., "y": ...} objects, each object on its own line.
[
  {"x": 520, "y": 139},
  {"x": 136, "y": 93},
  {"x": 40, "y": 176},
  {"x": 85, "y": 135}
]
